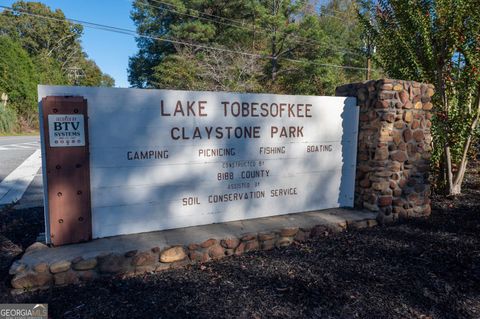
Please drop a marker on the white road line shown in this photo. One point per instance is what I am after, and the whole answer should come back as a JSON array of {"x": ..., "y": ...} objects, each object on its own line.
[
  {"x": 16, "y": 183},
  {"x": 30, "y": 145}
]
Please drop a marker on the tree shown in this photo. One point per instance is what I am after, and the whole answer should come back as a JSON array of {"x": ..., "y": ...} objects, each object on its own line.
[
  {"x": 92, "y": 75},
  {"x": 435, "y": 41},
  {"x": 208, "y": 70},
  {"x": 51, "y": 40},
  {"x": 289, "y": 42},
  {"x": 40, "y": 46},
  {"x": 55, "y": 37},
  {"x": 18, "y": 77},
  {"x": 182, "y": 20},
  {"x": 49, "y": 70}
]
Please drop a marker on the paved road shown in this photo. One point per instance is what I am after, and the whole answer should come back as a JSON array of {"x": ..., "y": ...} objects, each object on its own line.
[{"x": 15, "y": 151}]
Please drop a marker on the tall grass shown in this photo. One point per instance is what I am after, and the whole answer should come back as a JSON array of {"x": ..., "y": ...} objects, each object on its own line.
[{"x": 8, "y": 120}]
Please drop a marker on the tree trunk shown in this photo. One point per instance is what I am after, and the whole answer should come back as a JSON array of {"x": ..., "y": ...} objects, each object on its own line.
[
  {"x": 448, "y": 162},
  {"x": 455, "y": 185},
  {"x": 455, "y": 190}
]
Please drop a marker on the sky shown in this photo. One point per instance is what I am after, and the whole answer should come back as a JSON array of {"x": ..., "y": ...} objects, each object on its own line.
[{"x": 109, "y": 50}]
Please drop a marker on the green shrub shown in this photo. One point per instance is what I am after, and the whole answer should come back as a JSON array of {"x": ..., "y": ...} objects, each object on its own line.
[
  {"x": 8, "y": 120},
  {"x": 18, "y": 77}
]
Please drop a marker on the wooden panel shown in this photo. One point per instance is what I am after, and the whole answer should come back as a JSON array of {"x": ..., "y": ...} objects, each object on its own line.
[{"x": 68, "y": 176}]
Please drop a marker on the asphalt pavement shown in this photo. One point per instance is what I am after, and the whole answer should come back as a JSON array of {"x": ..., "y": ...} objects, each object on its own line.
[{"x": 17, "y": 155}]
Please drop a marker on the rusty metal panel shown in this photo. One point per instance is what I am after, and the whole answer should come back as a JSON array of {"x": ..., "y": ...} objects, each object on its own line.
[{"x": 67, "y": 168}]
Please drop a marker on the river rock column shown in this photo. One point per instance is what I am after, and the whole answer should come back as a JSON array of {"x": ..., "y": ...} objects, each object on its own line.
[{"x": 394, "y": 147}]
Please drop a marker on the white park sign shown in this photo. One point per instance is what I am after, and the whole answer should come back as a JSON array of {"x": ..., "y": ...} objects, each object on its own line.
[{"x": 162, "y": 159}]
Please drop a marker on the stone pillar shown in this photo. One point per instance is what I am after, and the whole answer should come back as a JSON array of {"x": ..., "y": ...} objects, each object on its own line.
[{"x": 394, "y": 147}]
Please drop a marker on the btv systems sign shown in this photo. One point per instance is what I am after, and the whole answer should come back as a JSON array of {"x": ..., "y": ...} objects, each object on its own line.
[{"x": 66, "y": 130}]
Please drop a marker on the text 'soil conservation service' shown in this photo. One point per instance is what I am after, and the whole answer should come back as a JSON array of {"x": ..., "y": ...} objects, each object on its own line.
[{"x": 161, "y": 159}]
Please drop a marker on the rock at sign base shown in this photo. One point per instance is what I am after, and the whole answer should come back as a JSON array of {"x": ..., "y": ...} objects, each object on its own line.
[
  {"x": 60, "y": 266},
  {"x": 173, "y": 254},
  {"x": 87, "y": 275},
  {"x": 113, "y": 263},
  {"x": 288, "y": 231},
  {"x": 208, "y": 243},
  {"x": 41, "y": 267},
  {"x": 144, "y": 259},
  {"x": 35, "y": 246},
  {"x": 85, "y": 264},
  {"x": 66, "y": 278},
  {"x": 17, "y": 267},
  {"x": 230, "y": 243},
  {"x": 216, "y": 252},
  {"x": 268, "y": 244},
  {"x": 251, "y": 245},
  {"x": 31, "y": 279}
]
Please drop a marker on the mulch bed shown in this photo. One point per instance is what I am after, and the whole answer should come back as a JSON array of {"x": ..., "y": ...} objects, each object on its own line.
[{"x": 413, "y": 269}]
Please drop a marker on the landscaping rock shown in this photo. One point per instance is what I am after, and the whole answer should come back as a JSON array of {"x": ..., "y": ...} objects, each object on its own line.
[
  {"x": 268, "y": 244},
  {"x": 31, "y": 279},
  {"x": 144, "y": 259},
  {"x": 162, "y": 267},
  {"x": 216, "y": 252},
  {"x": 113, "y": 264},
  {"x": 145, "y": 269},
  {"x": 195, "y": 255},
  {"x": 87, "y": 275},
  {"x": 288, "y": 231},
  {"x": 8, "y": 252},
  {"x": 173, "y": 254},
  {"x": 208, "y": 243},
  {"x": 284, "y": 242},
  {"x": 85, "y": 264},
  {"x": 230, "y": 243},
  {"x": 17, "y": 267},
  {"x": 41, "y": 267},
  {"x": 248, "y": 236},
  {"x": 35, "y": 247},
  {"x": 302, "y": 236},
  {"x": 60, "y": 266},
  {"x": 180, "y": 264},
  {"x": 131, "y": 253},
  {"x": 240, "y": 249},
  {"x": 66, "y": 278},
  {"x": 251, "y": 245},
  {"x": 266, "y": 236}
]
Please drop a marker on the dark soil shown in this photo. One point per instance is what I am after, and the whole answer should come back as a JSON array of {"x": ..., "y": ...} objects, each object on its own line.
[{"x": 414, "y": 269}]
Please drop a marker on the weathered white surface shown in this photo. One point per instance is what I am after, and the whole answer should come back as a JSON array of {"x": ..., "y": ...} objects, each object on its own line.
[{"x": 130, "y": 196}]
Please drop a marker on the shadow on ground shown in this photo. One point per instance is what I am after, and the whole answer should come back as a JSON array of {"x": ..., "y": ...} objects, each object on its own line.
[{"x": 414, "y": 269}]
